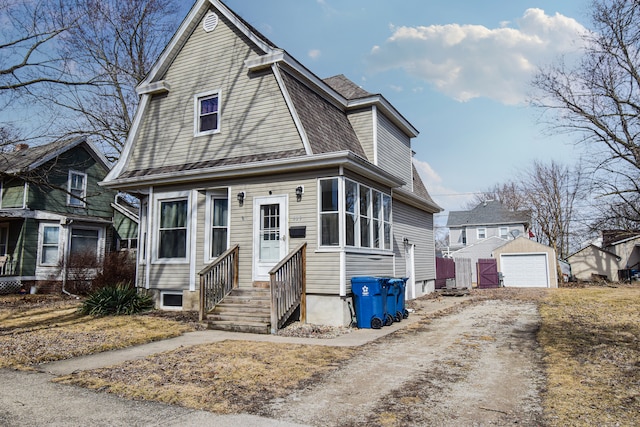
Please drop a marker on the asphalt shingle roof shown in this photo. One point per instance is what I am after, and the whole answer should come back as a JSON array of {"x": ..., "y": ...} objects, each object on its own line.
[
  {"x": 346, "y": 87},
  {"x": 486, "y": 213},
  {"x": 22, "y": 158}
]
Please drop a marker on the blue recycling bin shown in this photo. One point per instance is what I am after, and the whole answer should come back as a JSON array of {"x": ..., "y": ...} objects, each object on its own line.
[
  {"x": 393, "y": 293},
  {"x": 370, "y": 295},
  {"x": 400, "y": 303}
]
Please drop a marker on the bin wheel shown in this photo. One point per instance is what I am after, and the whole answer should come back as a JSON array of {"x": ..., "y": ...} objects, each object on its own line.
[
  {"x": 376, "y": 323},
  {"x": 388, "y": 320},
  {"x": 398, "y": 317},
  {"x": 405, "y": 314}
]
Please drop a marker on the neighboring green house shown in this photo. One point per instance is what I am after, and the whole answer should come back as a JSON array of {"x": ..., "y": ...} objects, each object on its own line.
[
  {"x": 51, "y": 210},
  {"x": 240, "y": 153}
]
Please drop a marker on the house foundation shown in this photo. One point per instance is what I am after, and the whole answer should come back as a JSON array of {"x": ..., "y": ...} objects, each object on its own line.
[{"x": 328, "y": 310}]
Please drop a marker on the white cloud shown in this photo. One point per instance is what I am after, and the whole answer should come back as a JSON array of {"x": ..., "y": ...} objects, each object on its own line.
[
  {"x": 447, "y": 198},
  {"x": 314, "y": 54},
  {"x": 470, "y": 61}
]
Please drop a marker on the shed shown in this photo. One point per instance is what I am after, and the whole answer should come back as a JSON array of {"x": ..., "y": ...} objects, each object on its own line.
[
  {"x": 592, "y": 260},
  {"x": 525, "y": 263}
]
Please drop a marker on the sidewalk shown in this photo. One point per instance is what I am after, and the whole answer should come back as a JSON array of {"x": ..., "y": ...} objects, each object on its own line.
[{"x": 355, "y": 338}]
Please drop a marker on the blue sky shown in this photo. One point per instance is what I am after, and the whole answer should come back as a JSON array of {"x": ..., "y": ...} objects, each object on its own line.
[{"x": 458, "y": 70}]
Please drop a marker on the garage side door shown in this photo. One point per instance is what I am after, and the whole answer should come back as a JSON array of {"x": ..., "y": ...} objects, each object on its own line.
[{"x": 524, "y": 270}]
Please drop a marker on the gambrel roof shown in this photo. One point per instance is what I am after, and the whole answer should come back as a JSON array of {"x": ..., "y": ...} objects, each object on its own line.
[
  {"x": 491, "y": 212},
  {"x": 318, "y": 108}
]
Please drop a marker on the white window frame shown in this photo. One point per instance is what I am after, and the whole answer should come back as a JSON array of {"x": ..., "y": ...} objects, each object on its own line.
[
  {"x": 41, "y": 229},
  {"x": 157, "y": 201},
  {"x": 171, "y": 307},
  {"x": 196, "y": 120},
  {"x": 506, "y": 232},
  {"x": 82, "y": 203},
  {"x": 211, "y": 196},
  {"x": 481, "y": 233},
  {"x": 384, "y": 246},
  {"x": 100, "y": 244}
]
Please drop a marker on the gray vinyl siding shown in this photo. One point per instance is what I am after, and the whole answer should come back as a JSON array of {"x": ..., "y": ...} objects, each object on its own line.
[
  {"x": 394, "y": 151},
  {"x": 254, "y": 117},
  {"x": 368, "y": 265},
  {"x": 362, "y": 123},
  {"x": 417, "y": 226},
  {"x": 491, "y": 231}
]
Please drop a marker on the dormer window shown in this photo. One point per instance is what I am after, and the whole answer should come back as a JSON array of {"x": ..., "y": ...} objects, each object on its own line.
[
  {"x": 207, "y": 113},
  {"x": 77, "y": 189}
]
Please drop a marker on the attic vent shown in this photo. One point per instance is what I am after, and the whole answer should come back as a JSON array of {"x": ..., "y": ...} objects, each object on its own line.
[{"x": 210, "y": 22}]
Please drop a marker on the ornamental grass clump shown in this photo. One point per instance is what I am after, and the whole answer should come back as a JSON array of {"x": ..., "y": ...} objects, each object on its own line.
[{"x": 122, "y": 299}]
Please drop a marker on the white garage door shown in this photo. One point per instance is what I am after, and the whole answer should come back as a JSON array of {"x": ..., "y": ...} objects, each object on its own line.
[{"x": 524, "y": 270}]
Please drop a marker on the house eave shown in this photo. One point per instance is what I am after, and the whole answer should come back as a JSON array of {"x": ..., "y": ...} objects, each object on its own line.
[
  {"x": 410, "y": 198},
  {"x": 345, "y": 159}
]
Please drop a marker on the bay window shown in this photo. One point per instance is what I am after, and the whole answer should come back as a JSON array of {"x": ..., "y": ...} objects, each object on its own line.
[{"x": 366, "y": 215}]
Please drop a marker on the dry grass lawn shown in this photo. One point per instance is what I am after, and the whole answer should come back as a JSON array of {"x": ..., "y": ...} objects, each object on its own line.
[
  {"x": 36, "y": 329},
  {"x": 591, "y": 342},
  {"x": 224, "y": 377}
]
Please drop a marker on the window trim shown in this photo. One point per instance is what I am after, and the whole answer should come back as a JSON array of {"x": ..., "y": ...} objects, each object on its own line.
[
  {"x": 484, "y": 233},
  {"x": 100, "y": 243},
  {"x": 211, "y": 196},
  {"x": 155, "y": 247},
  {"x": 70, "y": 197},
  {"x": 41, "y": 230},
  {"x": 342, "y": 214},
  {"x": 506, "y": 234},
  {"x": 196, "y": 111},
  {"x": 171, "y": 307}
]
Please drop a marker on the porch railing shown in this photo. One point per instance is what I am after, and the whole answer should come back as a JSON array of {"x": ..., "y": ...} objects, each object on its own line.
[
  {"x": 7, "y": 265},
  {"x": 288, "y": 287},
  {"x": 218, "y": 279}
]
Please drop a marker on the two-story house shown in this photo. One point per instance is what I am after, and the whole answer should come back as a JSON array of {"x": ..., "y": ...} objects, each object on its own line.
[
  {"x": 52, "y": 210},
  {"x": 240, "y": 152},
  {"x": 488, "y": 219}
]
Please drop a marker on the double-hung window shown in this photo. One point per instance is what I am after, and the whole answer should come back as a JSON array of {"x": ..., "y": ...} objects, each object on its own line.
[
  {"x": 50, "y": 244},
  {"x": 329, "y": 212},
  {"x": 77, "y": 189},
  {"x": 504, "y": 232},
  {"x": 207, "y": 112},
  {"x": 172, "y": 232},
  {"x": 84, "y": 242},
  {"x": 482, "y": 233},
  {"x": 218, "y": 221}
]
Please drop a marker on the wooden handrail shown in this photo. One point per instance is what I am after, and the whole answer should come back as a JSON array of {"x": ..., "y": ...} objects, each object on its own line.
[
  {"x": 288, "y": 287},
  {"x": 218, "y": 279}
]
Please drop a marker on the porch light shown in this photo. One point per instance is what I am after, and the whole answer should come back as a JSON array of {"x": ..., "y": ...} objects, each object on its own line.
[
  {"x": 299, "y": 192},
  {"x": 241, "y": 198}
]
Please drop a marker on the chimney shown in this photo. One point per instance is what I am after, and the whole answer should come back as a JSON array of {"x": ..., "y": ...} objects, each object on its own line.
[{"x": 21, "y": 147}]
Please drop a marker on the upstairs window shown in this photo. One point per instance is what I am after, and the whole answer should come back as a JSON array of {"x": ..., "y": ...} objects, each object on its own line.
[
  {"x": 77, "y": 188},
  {"x": 207, "y": 111},
  {"x": 482, "y": 233},
  {"x": 504, "y": 232}
]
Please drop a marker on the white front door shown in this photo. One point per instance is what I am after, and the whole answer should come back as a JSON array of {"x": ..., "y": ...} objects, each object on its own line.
[{"x": 269, "y": 234}]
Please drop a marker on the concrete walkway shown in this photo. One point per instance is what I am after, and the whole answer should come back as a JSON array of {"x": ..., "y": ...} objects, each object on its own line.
[{"x": 31, "y": 399}]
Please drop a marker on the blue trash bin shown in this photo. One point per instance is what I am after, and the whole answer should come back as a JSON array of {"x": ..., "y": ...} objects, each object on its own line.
[
  {"x": 400, "y": 304},
  {"x": 393, "y": 293},
  {"x": 370, "y": 294}
]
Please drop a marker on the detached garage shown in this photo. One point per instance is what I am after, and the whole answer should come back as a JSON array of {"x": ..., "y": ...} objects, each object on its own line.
[{"x": 525, "y": 263}]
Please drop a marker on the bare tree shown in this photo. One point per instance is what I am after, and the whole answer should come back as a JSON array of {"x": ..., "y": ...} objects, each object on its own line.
[
  {"x": 552, "y": 192},
  {"x": 116, "y": 42},
  {"x": 598, "y": 98},
  {"x": 508, "y": 193}
]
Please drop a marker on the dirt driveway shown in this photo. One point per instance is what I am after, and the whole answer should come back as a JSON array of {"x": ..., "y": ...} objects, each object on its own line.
[{"x": 477, "y": 366}]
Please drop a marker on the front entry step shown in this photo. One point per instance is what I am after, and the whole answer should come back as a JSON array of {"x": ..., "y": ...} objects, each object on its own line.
[{"x": 243, "y": 310}]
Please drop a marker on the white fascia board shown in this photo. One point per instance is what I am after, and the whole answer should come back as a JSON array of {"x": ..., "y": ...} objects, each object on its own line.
[
  {"x": 264, "y": 61},
  {"x": 336, "y": 159},
  {"x": 292, "y": 110},
  {"x": 126, "y": 213},
  {"x": 385, "y": 106}
]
